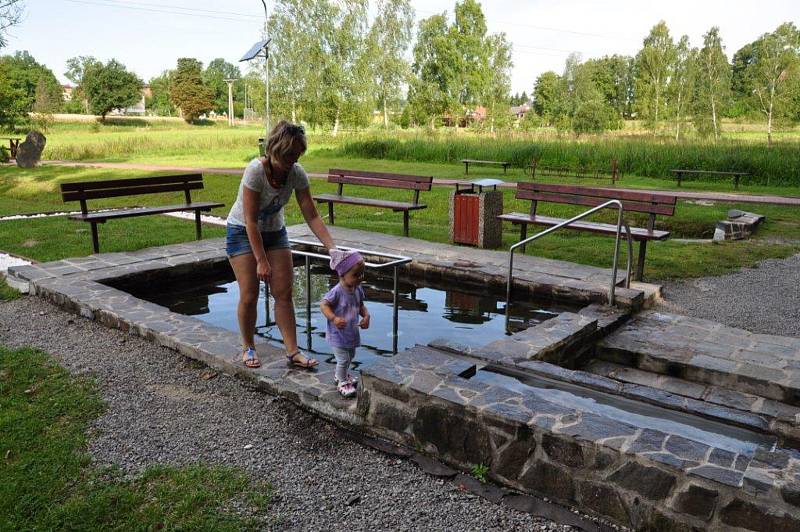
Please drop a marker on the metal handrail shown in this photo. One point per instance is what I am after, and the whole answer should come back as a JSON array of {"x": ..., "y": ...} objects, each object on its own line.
[
  {"x": 620, "y": 224},
  {"x": 398, "y": 260}
]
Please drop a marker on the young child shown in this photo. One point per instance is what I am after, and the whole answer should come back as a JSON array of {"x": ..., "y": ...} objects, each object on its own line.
[{"x": 343, "y": 305}]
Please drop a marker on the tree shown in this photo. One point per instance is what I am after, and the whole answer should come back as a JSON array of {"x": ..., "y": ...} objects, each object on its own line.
[
  {"x": 613, "y": 77},
  {"x": 681, "y": 85},
  {"x": 20, "y": 75},
  {"x": 214, "y": 76},
  {"x": 10, "y": 15},
  {"x": 389, "y": 38},
  {"x": 654, "y": 64},
  {"x": 774, "y": 61},
  {"x": 472, "y": 70},
  {"x": 713, "y": 85},
  {"x": 76, "y": 68},
  {"x": 548, "y": 92},
  {"x": 432, "y": 91},
  {"x": 499, "y": 82},
  {"x": 110, "y": 86},
  {"x": 159, "y": 100},
  {"x": 187, "y": 92}
]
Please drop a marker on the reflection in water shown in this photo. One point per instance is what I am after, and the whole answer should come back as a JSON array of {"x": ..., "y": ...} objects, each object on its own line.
[{"x": 468, "y": 317}]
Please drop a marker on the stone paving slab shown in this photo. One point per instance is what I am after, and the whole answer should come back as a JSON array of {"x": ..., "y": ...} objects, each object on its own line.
[{"x": 708, "y": 352}]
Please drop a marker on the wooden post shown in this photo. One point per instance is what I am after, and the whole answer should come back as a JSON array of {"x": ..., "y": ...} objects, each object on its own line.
[
  {"x": 405, "y": 223},
  {"x": 613, "y": 171},
  {"x": 197, "y": 225},
  {"x": 330, "y": 212},
  {"x": 95, "y": 242}
]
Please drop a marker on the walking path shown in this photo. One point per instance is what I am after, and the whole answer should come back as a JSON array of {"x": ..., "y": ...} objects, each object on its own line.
[{"x": 682, "y": 194}]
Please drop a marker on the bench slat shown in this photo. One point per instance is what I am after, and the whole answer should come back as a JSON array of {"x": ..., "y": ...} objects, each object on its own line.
[
  {"x": 484, "y": 162},
  {"x": 607, "y": 193},
  {"x": 378, "y": 182},
  {"x": 130, "y": 191},
  {"x": 381, "y": 175},
  {"x": 142, "y": 211},
  {"x": 132, "y": 182},
  {"x": 667, "y": 210},
  {"x": 711, "y": 172},
  {"x": 637, "y": 233},
  {"x": 351, "y": 200}
]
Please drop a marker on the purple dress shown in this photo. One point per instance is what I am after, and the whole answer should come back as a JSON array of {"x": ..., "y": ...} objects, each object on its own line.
[{"x": 344, "y": 305}]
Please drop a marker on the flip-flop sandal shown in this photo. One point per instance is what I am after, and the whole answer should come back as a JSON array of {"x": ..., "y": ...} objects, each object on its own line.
[
  {"x": 308, "y": 364},
  {"x": 251, "y": 358}
]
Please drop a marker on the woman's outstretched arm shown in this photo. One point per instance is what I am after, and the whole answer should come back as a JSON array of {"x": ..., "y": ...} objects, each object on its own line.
[{"x": 312, "y": 217}]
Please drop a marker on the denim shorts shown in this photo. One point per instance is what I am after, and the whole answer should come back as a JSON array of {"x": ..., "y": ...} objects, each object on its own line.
[{"x": 236, "y": 242}]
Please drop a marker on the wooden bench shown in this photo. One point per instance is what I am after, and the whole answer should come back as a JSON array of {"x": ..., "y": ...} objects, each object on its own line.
[
  {"x": 377, "y": 179},
  {"x": 467, "y": 162},
  {"x": 679, "y": 173},
  {"x": 644, "y": 202},
  {"x": 580, "y": 172},
  {"x": 90, "y": 190}
]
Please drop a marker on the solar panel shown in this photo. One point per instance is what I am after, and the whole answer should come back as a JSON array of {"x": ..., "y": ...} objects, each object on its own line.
[{"x": 254, "y": 50}]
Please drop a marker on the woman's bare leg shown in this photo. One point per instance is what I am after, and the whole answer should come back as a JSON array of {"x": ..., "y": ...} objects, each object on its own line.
[
  {"x": 280, "y": 261},
  {"x": 244, "y": 268}
]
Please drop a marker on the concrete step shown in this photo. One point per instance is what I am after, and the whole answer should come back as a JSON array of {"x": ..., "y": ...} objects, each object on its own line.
[{"x": 707, "y": 352}]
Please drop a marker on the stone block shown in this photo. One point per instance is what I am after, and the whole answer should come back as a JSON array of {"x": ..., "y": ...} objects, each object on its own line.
[
  {"x": 463, "y": 440},
  {"x": 562, "y": 450},
  {"x": 747, "y": 515},
  {"x": 649, "y": 482},
  {"x": 390, "y": 417},
  {"x": 550, "y": 480},
  {"x": 512, "y": 458},
  {"x": 604, "y": 500},
  {"x": 697, "y": 501}
]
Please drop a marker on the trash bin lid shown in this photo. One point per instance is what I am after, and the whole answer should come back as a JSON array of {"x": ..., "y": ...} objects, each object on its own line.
[{"x": 486, "y": 182}]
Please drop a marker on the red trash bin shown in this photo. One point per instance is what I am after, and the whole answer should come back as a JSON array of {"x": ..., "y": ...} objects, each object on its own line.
[{"x": 466, "y": 210}]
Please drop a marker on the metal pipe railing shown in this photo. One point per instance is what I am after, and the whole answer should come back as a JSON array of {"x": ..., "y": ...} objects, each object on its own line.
[
  {"x": 397, "y": 261},
  {"x": 620, "y": 224}
]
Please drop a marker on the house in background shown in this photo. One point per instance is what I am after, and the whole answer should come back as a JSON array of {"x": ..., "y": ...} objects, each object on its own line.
[
  {"x": 520, "y": 110},
  {"x": 66, "y": 92},
  {"x": 138, "y": 109}
]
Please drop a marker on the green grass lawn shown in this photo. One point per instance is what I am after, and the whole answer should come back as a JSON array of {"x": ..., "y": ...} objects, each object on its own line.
[
  {"x": 49, "y": 484},
  {"x": 47, "y": 239}
]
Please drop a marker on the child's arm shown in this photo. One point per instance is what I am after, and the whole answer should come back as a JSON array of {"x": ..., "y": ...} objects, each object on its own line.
[
  {"x": 364, "y": 313},
  {"x": 327, "y": 311}
]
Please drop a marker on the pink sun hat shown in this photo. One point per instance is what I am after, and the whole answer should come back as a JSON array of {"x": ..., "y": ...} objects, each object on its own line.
[{"x": 342, "y": 260}]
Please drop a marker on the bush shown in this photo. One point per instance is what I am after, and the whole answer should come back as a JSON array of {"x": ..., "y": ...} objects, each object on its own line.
[{"x": 5, "y": 156}]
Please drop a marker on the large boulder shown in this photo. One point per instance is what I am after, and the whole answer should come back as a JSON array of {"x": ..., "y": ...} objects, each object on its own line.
[{"x": 29, "y": 152}]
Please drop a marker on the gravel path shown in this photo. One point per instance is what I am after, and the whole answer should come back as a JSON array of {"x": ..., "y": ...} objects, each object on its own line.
[
  {"x": 763, "y": 299},
  {"x": 161, "y": 410}
]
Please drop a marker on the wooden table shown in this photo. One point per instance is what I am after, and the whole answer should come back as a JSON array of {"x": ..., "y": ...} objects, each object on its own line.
[{"x": 13, "y": 144}]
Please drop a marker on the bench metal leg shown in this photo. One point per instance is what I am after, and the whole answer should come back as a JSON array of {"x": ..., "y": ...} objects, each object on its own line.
[
  {"x": 640, "y": 263},
  {"x": 523, "y": 234},
  {"x": 197, "y": 229},
  {"x": 330, "y": 212},
  {"x": 405, "y": 223},
  {"x": 95, "y": 242},
  {"x": 466, "y": 168},
  {"x": 736, "y": 182}
]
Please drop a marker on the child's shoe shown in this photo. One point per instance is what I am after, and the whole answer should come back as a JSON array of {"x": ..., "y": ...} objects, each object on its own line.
[{"x": 346, "y": 389}]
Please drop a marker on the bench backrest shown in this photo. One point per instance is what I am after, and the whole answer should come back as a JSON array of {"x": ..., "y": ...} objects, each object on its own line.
[
  {"x": 112, "y": 188},
  {"x": 646, "y": 202},
  {"x": 380, "y": 179}
]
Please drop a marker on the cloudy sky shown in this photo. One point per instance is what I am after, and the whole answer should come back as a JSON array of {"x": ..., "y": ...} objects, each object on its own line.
[{"x": 148, "y": 36}]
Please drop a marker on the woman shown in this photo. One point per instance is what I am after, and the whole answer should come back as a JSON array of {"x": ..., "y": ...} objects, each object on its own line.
[{"x": 257, "y": 244}]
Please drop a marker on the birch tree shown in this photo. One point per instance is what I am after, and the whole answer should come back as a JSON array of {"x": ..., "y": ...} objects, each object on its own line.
[
  {"x": 774, "y": 61},
  {"x": 654, "y": 64},
  {"x": 389, "y": 38},
  {"x": 498, "y": 86},
  {"x": 713, "y": 87},
  {"x": 682, "y": 82}
]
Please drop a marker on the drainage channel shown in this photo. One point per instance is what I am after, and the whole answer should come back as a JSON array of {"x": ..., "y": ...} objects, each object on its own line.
[{"x": 628, "y": 411}]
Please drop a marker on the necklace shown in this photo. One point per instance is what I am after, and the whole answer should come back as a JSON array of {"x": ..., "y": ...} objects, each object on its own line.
[{"x": 273, "y": 181}]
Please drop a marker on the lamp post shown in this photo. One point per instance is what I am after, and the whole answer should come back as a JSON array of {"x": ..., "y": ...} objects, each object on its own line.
[{"x": 266, "y": 72}]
